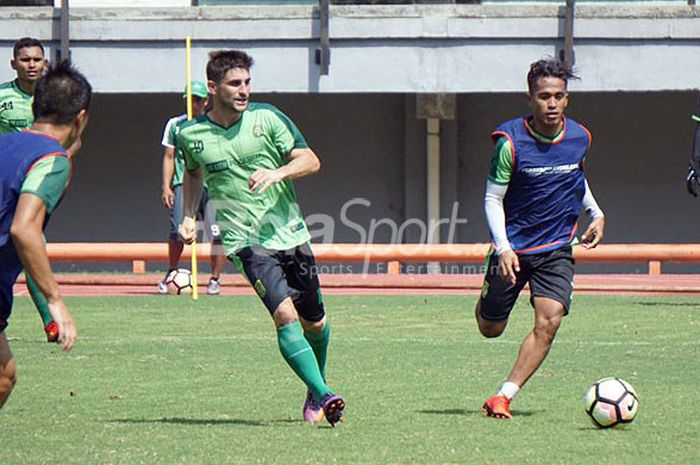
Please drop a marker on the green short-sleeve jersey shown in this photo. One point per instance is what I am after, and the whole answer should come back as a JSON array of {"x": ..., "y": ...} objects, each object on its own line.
[
  {"x": 172, "y": 128},
  {"x": 48, "y": 178},
  {"x": 261, "y": 139},
  {"x": 501, "y": 162},
  {"x": 15, "y": 108}
]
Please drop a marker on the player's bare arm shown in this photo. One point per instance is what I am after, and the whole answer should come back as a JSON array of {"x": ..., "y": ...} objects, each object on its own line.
[
  {"x": 594, "y": 233},
  {"x": 302, "y": 162},
  {"x": 192, "y": 187},
  {"x": 26, "y": 231},
  {"x": 167, "y": 196},
  {"x": 509, "y": 266}
]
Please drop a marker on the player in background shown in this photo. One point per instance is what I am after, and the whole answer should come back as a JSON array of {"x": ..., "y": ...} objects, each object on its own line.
[
  {"x": 248, "y": 154},
  {"x": 535, "y": 192},
  {"x": 171, "y": 196},
  {"x": 34, "y": 172},
  {"x": 16, "y": 99},
  {"x": 691, "y": 179}
]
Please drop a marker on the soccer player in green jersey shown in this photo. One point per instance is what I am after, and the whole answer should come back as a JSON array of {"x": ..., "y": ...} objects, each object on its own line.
[
  {"x": 248, "y": 154},
  {"x": 171, "y": 195},
  {"x": 16, "y": 99}
]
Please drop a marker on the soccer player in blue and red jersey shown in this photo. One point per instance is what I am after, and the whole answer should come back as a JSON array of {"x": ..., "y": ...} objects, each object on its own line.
[
  {"x": 34, "y": 172},
  {"x": 535, "y": 192}
]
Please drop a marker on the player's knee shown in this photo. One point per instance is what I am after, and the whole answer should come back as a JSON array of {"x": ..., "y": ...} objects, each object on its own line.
[
  {"x": 488, "y": 328},
  {"x": 285, "y": 313},
  {"x": 547, "y": 328},
  {"x": 7, "y": 383},
  {"x": 491, "y": 328},
  {"x": 8, "y": 379},
  {"x": 314, "y": 326}
]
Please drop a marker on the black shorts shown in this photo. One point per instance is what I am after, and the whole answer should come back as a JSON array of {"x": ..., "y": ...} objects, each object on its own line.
[
  {"x": 278, "y": 274},
  {"x": 550, "y": 274},
  {"x": 10, "y": 268}
]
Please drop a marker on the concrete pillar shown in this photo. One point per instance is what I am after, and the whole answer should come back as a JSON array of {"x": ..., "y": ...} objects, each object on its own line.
[
  {"x": 432, "y": 155},
  {"x": 432, "y": 149},
  {"x": 414, "y": 170},
  {"x": 433, "y": 108}
]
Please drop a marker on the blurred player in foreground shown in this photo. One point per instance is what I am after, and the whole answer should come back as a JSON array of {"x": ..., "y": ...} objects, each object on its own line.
[
  {"x": 248, "y": 154},
  {"x": 171, "y": 196},
  {"x": 16, "y": 99},
  {"x": 535, "y": 192},
  {"x": 34, "y": 173}
]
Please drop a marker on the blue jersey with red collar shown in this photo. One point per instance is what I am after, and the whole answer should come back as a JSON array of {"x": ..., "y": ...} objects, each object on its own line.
[{"x": 547, "y": 185}]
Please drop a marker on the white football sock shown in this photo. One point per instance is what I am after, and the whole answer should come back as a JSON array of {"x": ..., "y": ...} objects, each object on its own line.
[{"x": 508, "y": 389}]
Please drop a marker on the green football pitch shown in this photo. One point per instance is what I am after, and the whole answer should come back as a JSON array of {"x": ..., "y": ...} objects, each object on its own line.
[{"x": 162, "y": 380}]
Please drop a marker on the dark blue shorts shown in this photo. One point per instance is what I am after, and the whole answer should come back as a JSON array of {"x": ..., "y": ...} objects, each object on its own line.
[
  {"x": 278, "y": 274},
  {"x": 10, "y": 268}
]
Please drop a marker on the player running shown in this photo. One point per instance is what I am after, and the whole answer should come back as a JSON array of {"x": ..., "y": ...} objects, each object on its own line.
[
  {"x": 248, "y": 154},
  {"x": 34, "y": 173},
  {"x": 535, "y": 192}
]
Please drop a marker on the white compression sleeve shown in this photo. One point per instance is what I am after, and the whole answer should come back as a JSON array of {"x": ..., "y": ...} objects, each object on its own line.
[
  {"x": 495, "y": 216},
  {"x": 590, "y": 205}
]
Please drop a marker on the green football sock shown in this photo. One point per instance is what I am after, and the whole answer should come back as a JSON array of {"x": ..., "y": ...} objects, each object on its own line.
[
  {"x": 319, "y": 343},
  {"x": 300, "y": 356},
  {"x": 39, "y": 300}
]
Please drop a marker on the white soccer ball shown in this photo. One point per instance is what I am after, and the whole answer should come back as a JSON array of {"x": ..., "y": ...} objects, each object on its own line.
[
  {"x": 179, "y": 282},
  {"x": 611, "y": 403}
]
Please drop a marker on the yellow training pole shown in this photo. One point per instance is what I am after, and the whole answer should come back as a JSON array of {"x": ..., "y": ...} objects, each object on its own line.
[{"x": 193, "y": 246}]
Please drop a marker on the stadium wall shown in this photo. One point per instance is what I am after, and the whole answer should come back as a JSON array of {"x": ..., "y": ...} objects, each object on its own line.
[
  {"x": 372, "y": 147},
  {"x": 638, "y": 67},
  {"x": 374, "y": 48}
]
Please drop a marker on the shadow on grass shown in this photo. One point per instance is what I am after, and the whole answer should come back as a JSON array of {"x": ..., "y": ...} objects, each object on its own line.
[
  {"x": 205, "y": 421},
  {"x": 669, "y": 304},
  {"x": 596, "y": 430},
  {"x": 461, "y": 411}
]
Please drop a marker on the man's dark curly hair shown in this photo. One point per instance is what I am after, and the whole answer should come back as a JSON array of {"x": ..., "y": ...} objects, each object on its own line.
[
  {"x": 549, "y": 67},
  {"x": 220, "y": 61}
]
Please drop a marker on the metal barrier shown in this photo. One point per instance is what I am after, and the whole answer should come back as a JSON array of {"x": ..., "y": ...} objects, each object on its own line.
[{"x": 391, "y": 254}]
